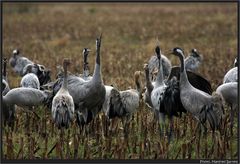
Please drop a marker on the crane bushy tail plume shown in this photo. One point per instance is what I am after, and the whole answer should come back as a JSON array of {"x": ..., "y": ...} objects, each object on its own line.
[
  {"x": 172, "y": 105},
  {"x": 213, "y": 113}
]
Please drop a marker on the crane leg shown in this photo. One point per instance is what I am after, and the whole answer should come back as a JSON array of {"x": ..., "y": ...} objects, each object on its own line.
[
  {"x": 170, "y": 133},
  {"x": 28, "y": 120},
  {"x": 126, "y": 126},
  {"x": 107, "y": 125},
  {"x": 198, "y": 128},
  {"x": 156, "y": 115},
  {"x": 162, "y": 124},
  {"x": 231, "y": 120}
]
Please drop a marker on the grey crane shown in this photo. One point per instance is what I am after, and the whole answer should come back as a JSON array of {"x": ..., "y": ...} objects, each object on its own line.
[
  {"x": 159, "y": 87},
  {"x": 201, "y": 104},
  {"x": 63, "y": 105},
  {"x": 164, "y": 96},
  {"x": 193, "y": 61},
  {"x": 236, "y": 62},
  {"x": 42, "y": 73},
  {"x": 149, "y": 87},
  {"x": 18, "y": 62},
  {"x": 153, "y": 66},
  {"x": 229, "y": 93},
  {"x": 30, "y": 80},
  {"x": 5, "y": 86},
  {"x": 86, "y": 75},
  {"x": 167, "y": 96},
  {"x": 88, "y": 106},
  {"x": 26, "y": 97},
  {"x": 88, "y": 96},
  {"x": 8, "y": 110},
  {"x": 122, "y": 104},
  {"x": 21, "y": 64},
  {"x": 232, "y": 74}
]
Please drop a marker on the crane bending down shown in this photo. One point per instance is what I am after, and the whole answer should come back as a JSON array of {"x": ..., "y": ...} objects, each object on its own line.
[
  {"x": 122, "y": 104},
  {"x": 21, "y": 66},
  {"x": 232, "y": 74},
  {"x": 26, "y": 97},
  {"x": 229, "y": 93},
  {"x": 30, "y": 80},
  {"x": 40, "y": 71},
  {"x": 63, "y": 105},
  {"x": 202, "y": 105},
  {"x": 17, "y": 62}
]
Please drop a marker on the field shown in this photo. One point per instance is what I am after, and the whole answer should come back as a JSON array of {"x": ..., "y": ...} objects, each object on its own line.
[{"x": 47, "y": 33}]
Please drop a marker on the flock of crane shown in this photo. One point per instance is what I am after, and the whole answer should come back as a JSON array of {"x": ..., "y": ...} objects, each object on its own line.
[{"x": 169, "y": 91}]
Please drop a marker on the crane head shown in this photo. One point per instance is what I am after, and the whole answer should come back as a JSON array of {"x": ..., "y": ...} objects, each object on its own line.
[
  {"x": 15, "y": 52},
  {"x": 41, "y": 67},
  {"x": 194, "y": 53},
  {"x": 177, "y": 51},
  {"x": 98, "y": 41},
  {"x": 236, "y": 62},
  {"x": 86, "y": 51},
  {"x": 145, "y": 67},
  {"x": 66, "y": 62},
  {"x": 137, "y": 74},
  {"x": 85, "y": 54}
]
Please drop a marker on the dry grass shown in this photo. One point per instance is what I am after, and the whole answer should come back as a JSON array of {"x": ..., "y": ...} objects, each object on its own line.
[{"x": 46, "y": 33}]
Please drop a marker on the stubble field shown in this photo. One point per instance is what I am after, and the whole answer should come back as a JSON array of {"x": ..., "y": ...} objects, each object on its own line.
[{"x": 47, "y": 33}]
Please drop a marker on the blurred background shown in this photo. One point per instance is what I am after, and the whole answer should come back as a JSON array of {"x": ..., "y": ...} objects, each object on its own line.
[{"x": 48, "y": 32}]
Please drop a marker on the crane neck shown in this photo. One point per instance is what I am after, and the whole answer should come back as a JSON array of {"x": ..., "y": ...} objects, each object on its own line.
[
  {"x": 149, "y": 85},
  {"x": 85, "y": 70},
  {"x": 85, "y": 58},
  {"x": 4, "y": 69},
  {"x": 97, "y": 70},
  {"x": 183, "y": 74},
  {"x": 159, "y": 79},
  {"x": 138, "y": 86},
  {"x": 64, "y": 77}
]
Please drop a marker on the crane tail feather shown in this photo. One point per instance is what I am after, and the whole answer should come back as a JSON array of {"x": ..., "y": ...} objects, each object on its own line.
[
  {"x": 213, "y": 113},
  {"x": 172, "y": 104},
  {"x": 116, "y": 108}
]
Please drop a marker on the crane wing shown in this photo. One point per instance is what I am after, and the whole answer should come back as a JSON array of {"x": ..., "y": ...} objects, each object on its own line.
[
  {"x": 195, "y": 80},
  {"x": 171, "y": 103},
  {"x": 115, "y": 107},
  {"x": 130, "y": 100}
]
